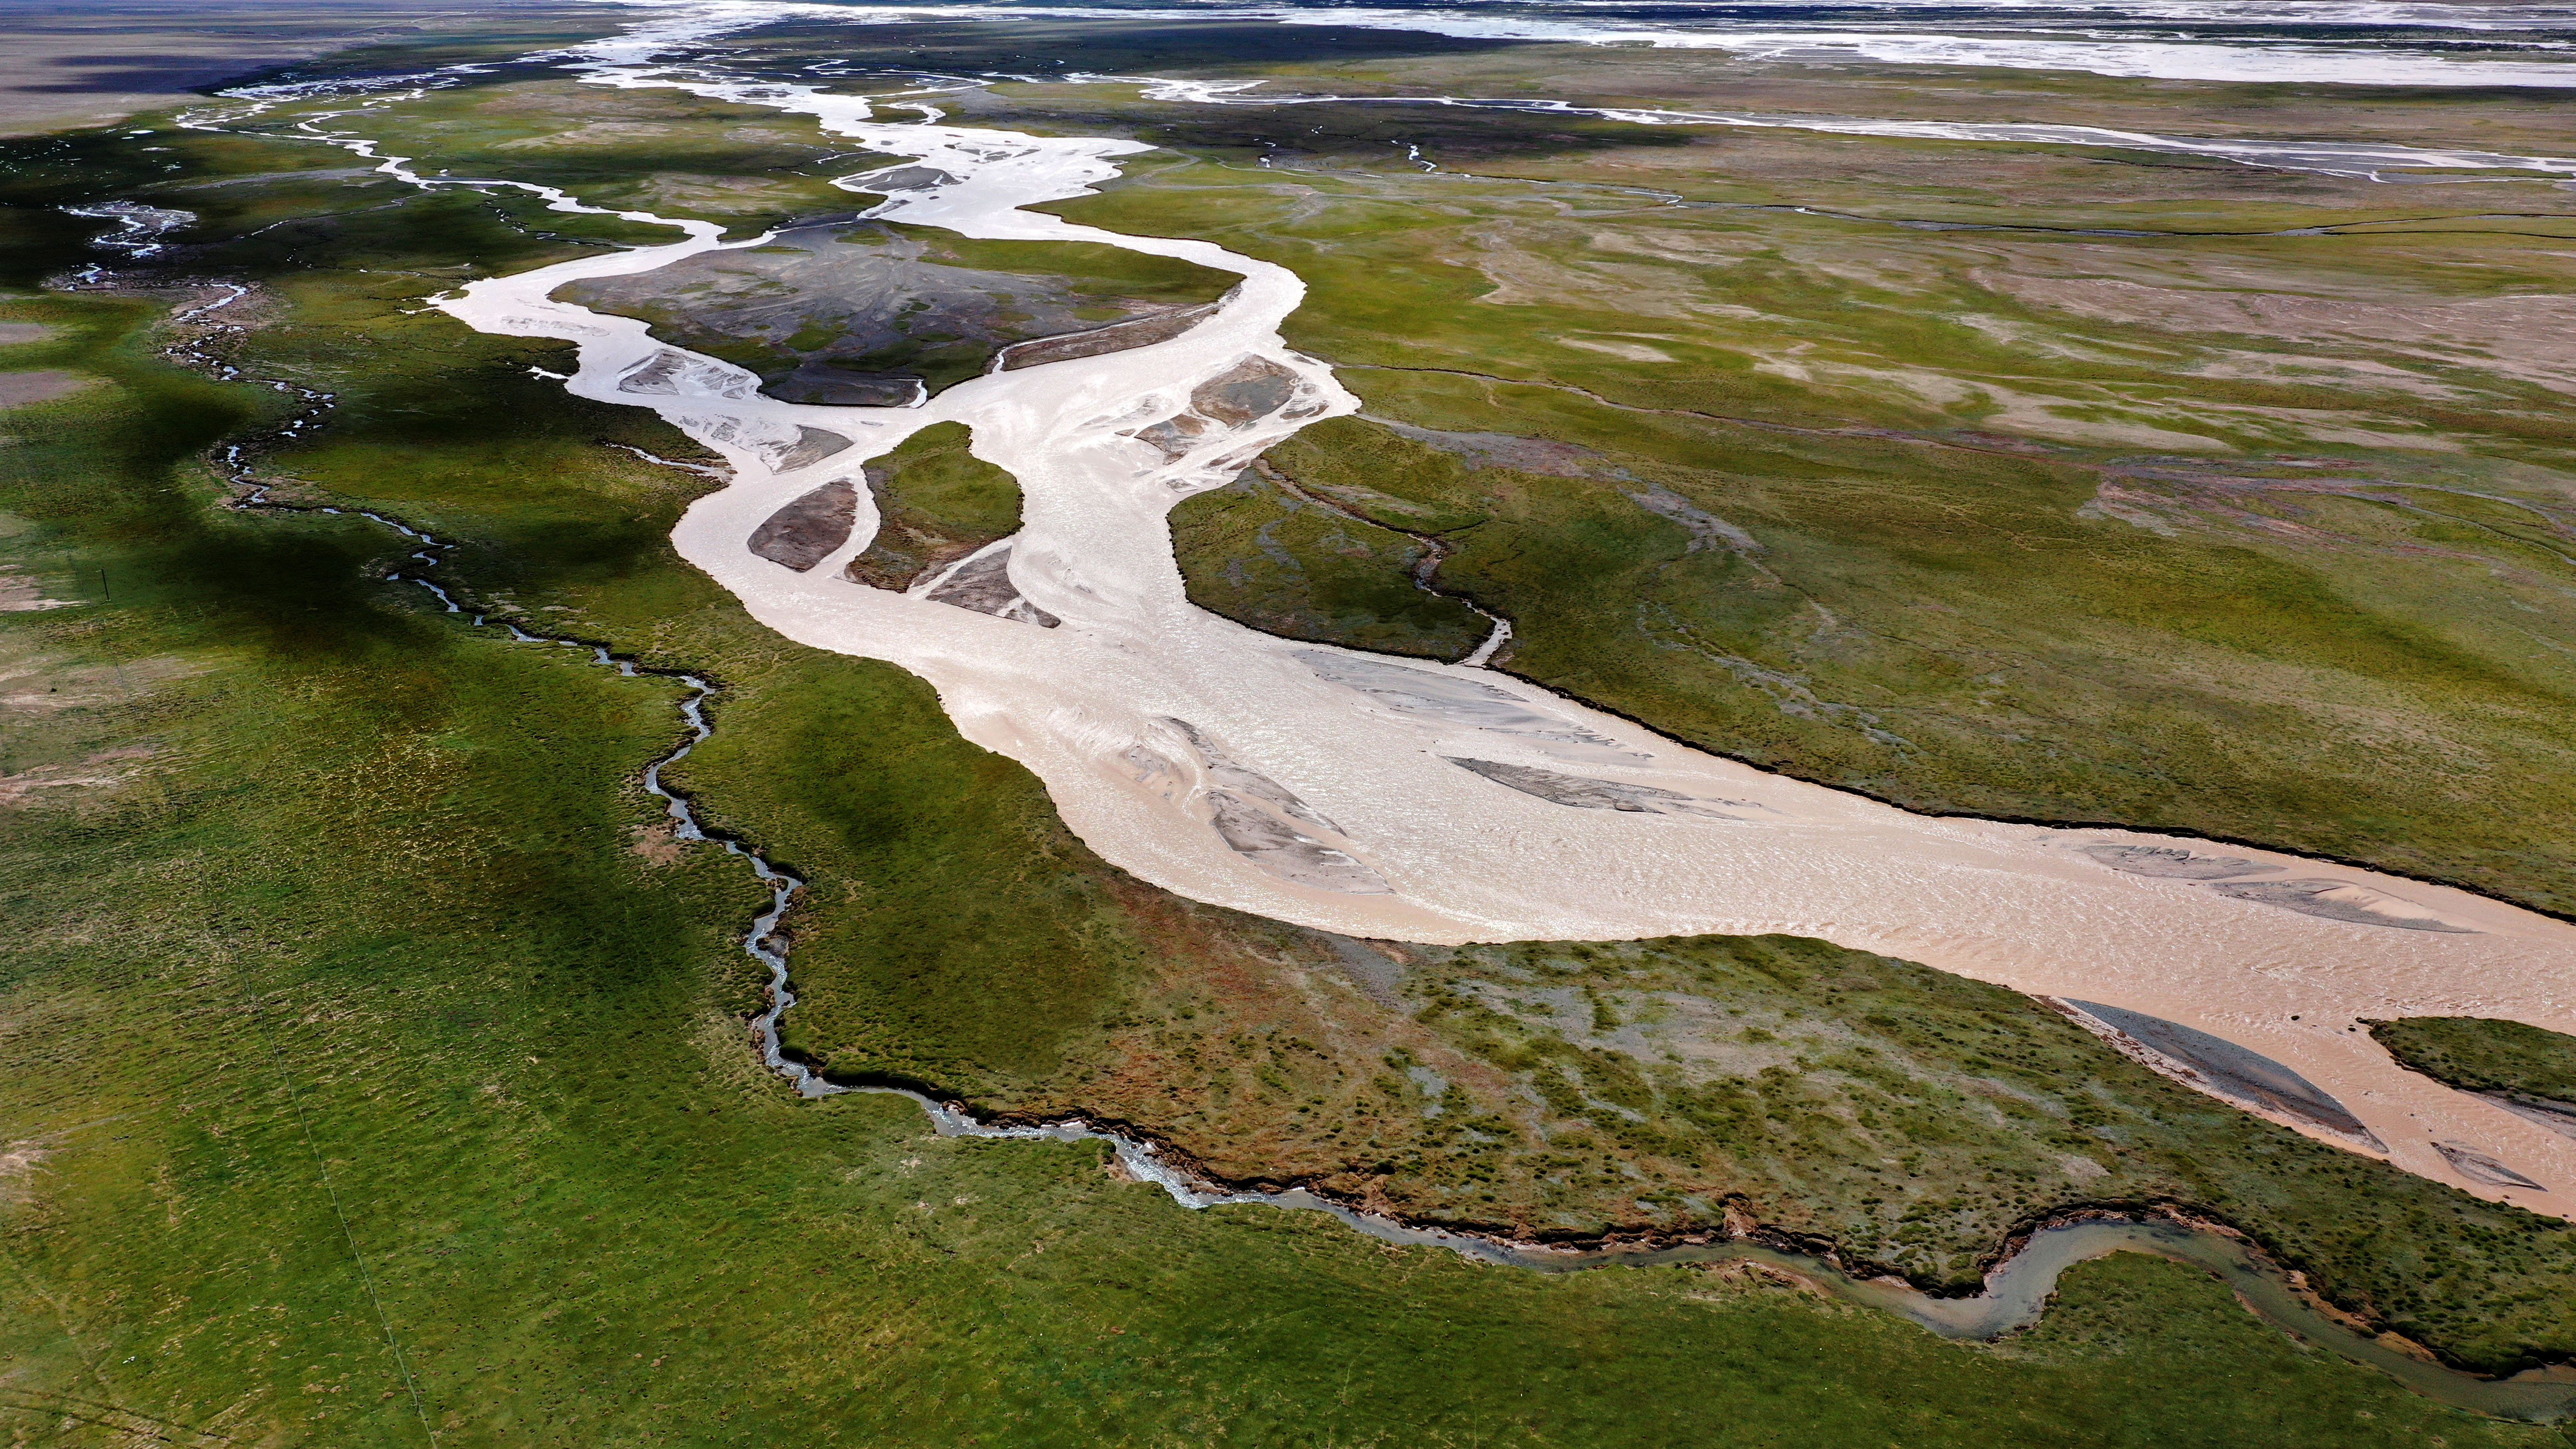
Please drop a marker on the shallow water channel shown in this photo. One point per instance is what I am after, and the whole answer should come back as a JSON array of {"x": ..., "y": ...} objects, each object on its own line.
[{"x": 2016, "y": 1292}]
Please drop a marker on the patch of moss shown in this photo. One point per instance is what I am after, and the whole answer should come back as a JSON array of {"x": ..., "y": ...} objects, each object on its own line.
[
  {"x": 2480, "y": 1054},
  {"x": 1294, "y": 565},
  {"x": 937, "y": 503}
]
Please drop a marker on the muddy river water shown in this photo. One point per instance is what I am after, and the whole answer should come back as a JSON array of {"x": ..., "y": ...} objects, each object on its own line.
[{"x": 1411, "y": 801}]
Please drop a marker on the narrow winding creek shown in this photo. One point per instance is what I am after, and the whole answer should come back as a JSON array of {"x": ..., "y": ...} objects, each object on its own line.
[{"x": 1423, "y": 802}]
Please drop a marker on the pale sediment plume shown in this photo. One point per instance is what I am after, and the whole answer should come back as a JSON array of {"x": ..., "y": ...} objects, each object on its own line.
[
  {"x": 2340, "y": 900},
  {"x": 1367, "y": 744},
  {"x": 1260, "y": 819},
  {"x": 2479, "y": 1167},
  {"x": 1589, "y": 794},
  {"x": 2173, "y": 862},
  {"x": 672, "y": 373},
  {"x": 1284, "y": 851},
  {"x": 1225, "y": 771},
  {"x": 1456, "y": 699},
  {"x": 812, "y": 446}
]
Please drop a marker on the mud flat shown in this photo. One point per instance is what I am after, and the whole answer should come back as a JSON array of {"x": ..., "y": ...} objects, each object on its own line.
[
  {"x": 1117, "y": 337},
  {"x": 801, "y": 534},
  {"x": 19, "y": 389},
  {"x": 864, "y": 314},
  {"x": 2224, "y": 1069},
  {"x": 1103, "y": 445}
]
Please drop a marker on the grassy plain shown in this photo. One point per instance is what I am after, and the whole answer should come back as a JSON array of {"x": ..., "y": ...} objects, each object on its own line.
[
  {"x": 382, "y": 1071},
  {"x": 1073, "y": 989},
  {"x": 1291, "y": 561},
  {"x": 2478, "y": 1054},
  {"x": 384, "y": 1067}
]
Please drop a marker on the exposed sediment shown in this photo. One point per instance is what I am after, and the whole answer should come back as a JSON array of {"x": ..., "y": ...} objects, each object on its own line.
[
  {"x": 803, "y": 533},
  {"x": 2223, "y": 1069},
  {"x": 1117, "y": 337},
  {"x": 983, "y": 585}
]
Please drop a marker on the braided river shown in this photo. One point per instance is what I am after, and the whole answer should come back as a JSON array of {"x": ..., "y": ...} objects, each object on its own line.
[{"x": 1413, "y": 801}]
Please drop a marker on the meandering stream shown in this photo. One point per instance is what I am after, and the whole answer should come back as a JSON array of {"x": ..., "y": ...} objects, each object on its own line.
[{"x": 1413, "y": 801}]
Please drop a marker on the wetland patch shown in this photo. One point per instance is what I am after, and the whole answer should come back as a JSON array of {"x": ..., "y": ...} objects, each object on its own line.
[{"x": 869, "y": 314}]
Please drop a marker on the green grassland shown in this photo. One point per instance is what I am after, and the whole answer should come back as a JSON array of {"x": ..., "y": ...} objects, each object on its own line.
[
  {"x": 382, "y": 1071},
  {"x": 1907, "y": 1118},
  {"x": 1296, "y": 562},
  {"x": 936, "y": 502},
  {"x": 2478, "y": 1054},
  {"x": 383, "y": 1066},
  {"x": 643, "y": 150},
  {"x": 2015, "y": 524},
  {"x": 1069, "y": 988}
]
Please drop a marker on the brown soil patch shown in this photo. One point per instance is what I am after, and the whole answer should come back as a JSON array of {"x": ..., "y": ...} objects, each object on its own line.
[
  {"x": 18, "y": 389},
  {"x": 801, "y": 534},
  {"x": 2533, "y": 338},
  {"x": 1143, "y": 332},
  {"x": 657, "y": 843}
]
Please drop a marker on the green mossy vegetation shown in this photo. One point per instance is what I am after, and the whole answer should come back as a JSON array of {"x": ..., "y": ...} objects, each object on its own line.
[
  {"x": 2481, "y": 1054},
  {"x": 1296, "y": 564},
  {"x": 1908, "y": 1116},
  {"x": 937, "y": 503},
  {"x": 381, "y": 1064},
  {"x": 1896, "y": 512},
  {"x": 380, "y": 1069}
]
